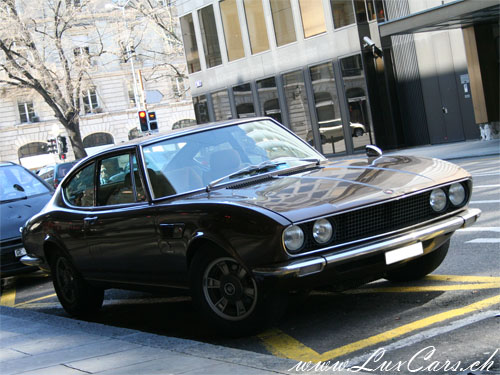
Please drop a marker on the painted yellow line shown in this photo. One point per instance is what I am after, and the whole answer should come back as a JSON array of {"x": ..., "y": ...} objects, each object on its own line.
[
  {"x": 464, "y": 279},
  {"x": 35, "y": 300},
  {"x": 282, "y": 345},
  {"x": 424, "y": 288},
  {"x": 8, "y": 297}
]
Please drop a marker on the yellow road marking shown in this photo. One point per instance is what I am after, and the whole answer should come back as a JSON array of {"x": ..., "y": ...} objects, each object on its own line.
[
  {"x": 424, "y": 288},
  {"x": 8, "y": 297},
  {"x": 462, "y": 279},
  {"x": 35, "y": 300},
  {"x": 282, "y": 345}
]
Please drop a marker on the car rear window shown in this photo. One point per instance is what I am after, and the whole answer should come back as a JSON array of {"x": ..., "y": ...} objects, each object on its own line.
[{"x": 17, "y": 183}]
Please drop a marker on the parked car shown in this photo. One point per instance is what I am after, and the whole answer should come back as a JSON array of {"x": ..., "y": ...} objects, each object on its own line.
[
  {"x": 22, "y": 194},
  {"x": 240, "y": 213},
  {"x": 53, "y": 174},
  {"x": 333, "y": 131}
]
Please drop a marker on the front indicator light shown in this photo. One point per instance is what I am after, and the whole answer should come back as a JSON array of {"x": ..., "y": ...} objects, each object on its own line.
[
  {"x": 438, "y": 200},
  {"x": 457, "y": 194},
  {"x": 293, "y": 237}
]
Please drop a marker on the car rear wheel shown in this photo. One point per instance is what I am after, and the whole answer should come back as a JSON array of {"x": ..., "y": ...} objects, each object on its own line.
[
  {"x": 420, "y": 267},
  {"x": 77, "y": 297},
  {"x": 226, "y": 293}
]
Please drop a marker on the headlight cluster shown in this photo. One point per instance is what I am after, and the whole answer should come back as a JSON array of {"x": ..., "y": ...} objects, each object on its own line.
[
  {"x": 294, "y": 237},
  {"x": 439, "y": 198}
]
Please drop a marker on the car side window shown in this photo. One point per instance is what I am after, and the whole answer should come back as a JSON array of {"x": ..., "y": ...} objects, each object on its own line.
[
  {"x": 80, "y": 189},
  {"x": 116, "y": 183}
]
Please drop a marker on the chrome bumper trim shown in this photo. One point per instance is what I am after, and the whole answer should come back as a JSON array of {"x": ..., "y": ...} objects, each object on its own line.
[
  {"x": 293, "y": 268},
  {"x": 31, "y": 261}
]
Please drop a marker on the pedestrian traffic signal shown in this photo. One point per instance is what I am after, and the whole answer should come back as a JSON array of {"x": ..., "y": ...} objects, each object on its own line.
[
  {"x": 143, "y": 121},
  {"x": 62, "y": 145},
  {"x": 152, "y": 122},
  {"x": 52, "y": 146}
]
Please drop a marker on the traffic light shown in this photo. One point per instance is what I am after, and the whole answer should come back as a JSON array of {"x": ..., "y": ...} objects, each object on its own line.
[
  {"x": 152, "y": 122},
  {"x": 62, "y": 147},
  {"x": 52, "y": 146},
  {"x": 143, "y": 120}
]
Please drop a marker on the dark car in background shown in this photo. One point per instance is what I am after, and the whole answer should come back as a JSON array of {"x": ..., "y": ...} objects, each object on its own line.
[
  {"x": 240, "y": 213},
  {"x": 22, "y": 194},
  {"x": 53, "y": 174}
]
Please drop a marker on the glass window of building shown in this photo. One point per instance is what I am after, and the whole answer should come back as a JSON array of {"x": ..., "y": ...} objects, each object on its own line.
[
  {"x": 243, "y": 99},
  {"x": 296, "y": 99},
  {"x": 201, "y": 109},
  {"x": 190, "y": 45},
  {"x": 327, "y": 107},
  {"x": 222, "y": 107},
  {"x": 256, "y": 24},
  {"x": 268, "y": 98},
  {"x": 356, "y": 94},
  {"x": 90, "y": 102},
  {"x": 343, "y": 13},
  {"x": 370, "y": 9},
  {"x": 360, "y": 8},
  {"x": 379, "y": 8},
  {"x": 313, "y": 17},
  {"x": 209, "y": 36},
  {"x": 284, "y": 29},
  {"x": 232, "y": 30},
  {"x": 26, "y": 112}
]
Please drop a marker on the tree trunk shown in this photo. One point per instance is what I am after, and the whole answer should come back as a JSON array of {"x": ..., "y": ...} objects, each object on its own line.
[{"x": 75, "y": 137}]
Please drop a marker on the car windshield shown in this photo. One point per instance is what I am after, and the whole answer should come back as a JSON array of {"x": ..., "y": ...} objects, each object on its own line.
[
  {"x": 194, "y": 161},
  {"x": 17, "y": 183}
]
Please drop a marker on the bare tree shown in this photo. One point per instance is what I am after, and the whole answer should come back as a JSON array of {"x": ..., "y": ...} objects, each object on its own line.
[{"x": 40, "y": 53}]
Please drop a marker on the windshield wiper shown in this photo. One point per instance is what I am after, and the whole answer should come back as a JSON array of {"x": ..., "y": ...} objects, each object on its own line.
[{"x": 248, "y": 170}]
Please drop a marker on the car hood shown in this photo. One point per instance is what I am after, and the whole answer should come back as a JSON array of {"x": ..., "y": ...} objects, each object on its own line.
[
  {"x": 339, "y": 185},
  {"x": 16, "y": 213}
]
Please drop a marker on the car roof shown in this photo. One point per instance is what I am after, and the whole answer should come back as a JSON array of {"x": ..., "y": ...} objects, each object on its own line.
[{"x": 6, "y": 163}]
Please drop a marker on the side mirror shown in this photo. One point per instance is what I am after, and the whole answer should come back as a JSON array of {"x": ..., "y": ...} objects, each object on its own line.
[{"x": 373, "y": 151}]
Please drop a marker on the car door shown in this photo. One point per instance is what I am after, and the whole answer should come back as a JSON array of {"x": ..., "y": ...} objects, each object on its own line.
[{"x": 121, "y": 231}]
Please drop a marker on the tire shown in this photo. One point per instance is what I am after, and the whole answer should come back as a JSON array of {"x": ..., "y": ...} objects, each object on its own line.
[
  {"x": 420, "y": 267},
  {"x": 358, "y": 132},
  {"x": 76, "y": 296},
  {"x": 227, "y": 295}
]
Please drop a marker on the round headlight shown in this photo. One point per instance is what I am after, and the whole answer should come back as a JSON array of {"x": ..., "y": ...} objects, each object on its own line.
[
  {"x": 322, "y": 231},
  {"x": 457, "y": 194},
  {"x": 438, "y": 200},
  {"x": 293, "y": 238}
]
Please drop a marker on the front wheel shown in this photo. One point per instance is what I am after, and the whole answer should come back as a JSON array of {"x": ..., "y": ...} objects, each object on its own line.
[
  {"x": 420, "y": 267},
  {"x": 77, "y": 297},
  {"x": 226, "y": 293}
]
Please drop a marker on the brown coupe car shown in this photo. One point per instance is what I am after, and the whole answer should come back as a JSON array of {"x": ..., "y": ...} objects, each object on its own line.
[{"x": 242, "y": 212}]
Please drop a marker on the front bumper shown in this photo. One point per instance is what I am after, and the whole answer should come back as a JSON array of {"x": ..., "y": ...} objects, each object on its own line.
[{"x": 315, "y": 264}]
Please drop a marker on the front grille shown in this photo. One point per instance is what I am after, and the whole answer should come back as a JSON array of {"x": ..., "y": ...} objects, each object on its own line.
[
  {"x": 7, "y": 251},
  {"x": 375, "y": 220}
]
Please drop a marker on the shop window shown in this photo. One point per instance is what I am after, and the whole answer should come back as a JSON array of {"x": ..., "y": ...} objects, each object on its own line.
[
  {"x": 313, "y": 17},
  {"x": 201, "y": 109},
  {"x": 222, "y": 108},
  {"x": 343, "y": 13},
  {"x": 190, "y": 45},
  {"x": 209, "y": 36},
  {"x": 268, "y": 98},
  {"x": 256, "y": 24},
  {"x": 284, "y": 29},
  {"x": 327, "y": 109},
  {"x": 232, "y": 29},
  {"x": 97, "y": 139},
  {"x": 296, "y": 99},
  {"x": 244, "y": 100},
  {"x": 32, "y": 149},
  {"x": 27, "y": 112}
]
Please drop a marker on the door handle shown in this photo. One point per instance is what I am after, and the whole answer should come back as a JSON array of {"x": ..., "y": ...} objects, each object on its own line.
[{"x": 88, "y": 221}]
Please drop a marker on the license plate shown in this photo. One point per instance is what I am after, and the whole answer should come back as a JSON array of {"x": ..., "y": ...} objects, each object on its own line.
[
  {"x": 406, "y": 252},
  {"x": 20, "y": 252}
]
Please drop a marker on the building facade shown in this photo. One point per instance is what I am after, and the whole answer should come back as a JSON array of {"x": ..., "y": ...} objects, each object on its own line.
[
  {"x": 324, "y": 69},
  {"x": 119, "y": 87}
]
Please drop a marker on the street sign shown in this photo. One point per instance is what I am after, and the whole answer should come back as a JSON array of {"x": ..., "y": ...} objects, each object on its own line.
[{"x": 153, "y": 96}]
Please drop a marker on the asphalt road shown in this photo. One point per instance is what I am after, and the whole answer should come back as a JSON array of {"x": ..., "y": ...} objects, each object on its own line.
[{"x": 448, "y": 321}]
